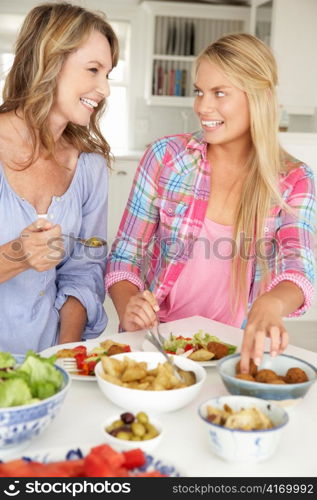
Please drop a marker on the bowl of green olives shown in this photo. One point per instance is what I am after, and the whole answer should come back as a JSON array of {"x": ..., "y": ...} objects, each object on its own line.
[{"x": 132, "y": 430}]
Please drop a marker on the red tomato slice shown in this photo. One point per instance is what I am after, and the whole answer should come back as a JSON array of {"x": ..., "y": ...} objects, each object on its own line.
[
  {"x": 133, "y": 458},
  {"x": 80, "y": 349},
  {"x": 188, "y": 347}
]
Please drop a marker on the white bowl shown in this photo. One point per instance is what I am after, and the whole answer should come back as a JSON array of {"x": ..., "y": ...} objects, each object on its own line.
[
  {"x": 152, "y": 401},
  {"x": 124, "y": 445},
  {"x": 235, "y": 445}
]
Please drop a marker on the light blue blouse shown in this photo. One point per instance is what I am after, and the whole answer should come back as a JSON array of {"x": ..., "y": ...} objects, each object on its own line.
[{"x": 30, "y": 302}]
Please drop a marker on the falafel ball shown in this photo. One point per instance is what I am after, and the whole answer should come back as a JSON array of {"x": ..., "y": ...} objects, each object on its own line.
[
  {"x": 245, "y": 376},
  {"x": 253, "y": 369},
  {"x": 296, "y": 376},
  {"x": 266, "y": 376},
  {"x": 277, "y": 381},
  {"x": 219, "y": 350}
]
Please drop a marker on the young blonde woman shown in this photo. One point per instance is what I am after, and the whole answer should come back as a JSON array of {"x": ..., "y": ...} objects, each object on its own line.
[
  {"x": 219, "y": 223},
  {"x": 53, "y": 178}
]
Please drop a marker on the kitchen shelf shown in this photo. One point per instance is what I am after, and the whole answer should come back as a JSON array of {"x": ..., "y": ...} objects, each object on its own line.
[{"x": 176, "y": 34}]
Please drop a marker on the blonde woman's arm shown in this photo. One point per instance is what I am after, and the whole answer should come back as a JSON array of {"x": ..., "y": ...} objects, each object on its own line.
[
  {"x": 266, "y": 319},
  {"x": 291, "y": 290}
]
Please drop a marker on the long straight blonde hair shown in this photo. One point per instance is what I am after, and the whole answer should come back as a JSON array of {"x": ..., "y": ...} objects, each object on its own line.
[
  {"x": 250, "y": 65},
  {"x": 49, "y": 33}
]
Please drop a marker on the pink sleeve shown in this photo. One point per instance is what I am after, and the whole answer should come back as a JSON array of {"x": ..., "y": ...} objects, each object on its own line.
[
  {"x": 115, "y": 276},
  {"x": 303, "y": 283}
]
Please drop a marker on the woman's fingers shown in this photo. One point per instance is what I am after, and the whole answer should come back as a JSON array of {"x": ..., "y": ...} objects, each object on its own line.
[
  {"x": 254, "y": 343},
  {"x": 151, "y": 299},
  {"x": 252, "y": 347},
  {"x": 145, "y": 312},
  {"x": 258, "y": 347},
  {"x": 246, "y": 349},
  {"x": 141, "y": 309},
  {"x": 284, "y": 341},
  {"x": 275, "y": 335},
  {"x": 135, "y": 318}
]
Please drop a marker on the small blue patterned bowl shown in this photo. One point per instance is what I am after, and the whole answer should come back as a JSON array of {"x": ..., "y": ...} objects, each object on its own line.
[
  {"x": 286, "y": 395},
  {"x": 236, "y": 445},
  {"x": 20, "y": 424}
]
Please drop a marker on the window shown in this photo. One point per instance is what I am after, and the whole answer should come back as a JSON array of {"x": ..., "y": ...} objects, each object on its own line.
[
  {"x": 6, "y": 60},
  {"x": 114, "y": 122}
]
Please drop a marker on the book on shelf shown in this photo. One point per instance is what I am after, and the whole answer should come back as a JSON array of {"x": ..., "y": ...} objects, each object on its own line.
[
  {"x": 165, "y": 83},
  {"x": 183, "y": 82},
  {"x": 154, "y": 79},
  {"x": 171, "y": 82},
  {"x": 178, "y": 82},
  {"x": 160, "y": 80}
]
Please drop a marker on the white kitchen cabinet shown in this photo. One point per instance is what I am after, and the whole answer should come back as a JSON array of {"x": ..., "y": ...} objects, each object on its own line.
[
  {"x": 120, "y": 183},
  {"x": 176, "y": 34},
  {"x": 289, "y": 26}
]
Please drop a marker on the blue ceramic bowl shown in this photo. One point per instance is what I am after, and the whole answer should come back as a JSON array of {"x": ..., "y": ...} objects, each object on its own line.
[
  {"x": 20, "y": 424},
  {"x": 241, "y": 446},
  {"x": 282, "y": 394}
]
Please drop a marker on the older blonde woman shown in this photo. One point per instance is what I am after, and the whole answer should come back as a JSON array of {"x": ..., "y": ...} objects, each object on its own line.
[
  {"x": 219, "y": 222},
  {"x": 53, "y": 178}
]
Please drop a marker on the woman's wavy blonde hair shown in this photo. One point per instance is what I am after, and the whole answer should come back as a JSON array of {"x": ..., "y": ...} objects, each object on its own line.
[
  {"x": 250, "y": 65},
  {"x": 50, "y": 32}
]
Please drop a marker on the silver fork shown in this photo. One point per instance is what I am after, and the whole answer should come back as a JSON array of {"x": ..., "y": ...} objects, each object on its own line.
[
  {"x": 160, "y": 336},
  {"x": 69, "y": 364},
  {"x": 154, "y": 341}
]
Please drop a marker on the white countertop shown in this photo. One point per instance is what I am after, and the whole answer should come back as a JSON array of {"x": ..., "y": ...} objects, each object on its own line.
[
  {"x": 185, "y": 443},
  {"x": 286, "y": 138},
  {"x": 132, "y": 154}
]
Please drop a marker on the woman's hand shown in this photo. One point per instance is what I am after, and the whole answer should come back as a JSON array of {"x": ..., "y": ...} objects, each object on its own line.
[
  {"x": 42, "y": 245},
  {"x": 140, "y": 312},
  {"x": 264, "y": 320}
]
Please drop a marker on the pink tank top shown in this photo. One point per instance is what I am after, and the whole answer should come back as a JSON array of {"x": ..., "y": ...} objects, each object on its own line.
[{"x": 202, "y": 288}]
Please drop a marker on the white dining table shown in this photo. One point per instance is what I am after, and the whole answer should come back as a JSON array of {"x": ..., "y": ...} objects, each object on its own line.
[{"x": 185, "y": 441}]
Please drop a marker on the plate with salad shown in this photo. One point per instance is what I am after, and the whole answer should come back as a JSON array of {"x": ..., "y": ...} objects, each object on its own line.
[
  {"x": 85, "y": 356},
  {"x": 201, "y": 347}
]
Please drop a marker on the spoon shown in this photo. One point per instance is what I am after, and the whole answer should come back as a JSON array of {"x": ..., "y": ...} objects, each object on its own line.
[{"x": 93, "y": 242}]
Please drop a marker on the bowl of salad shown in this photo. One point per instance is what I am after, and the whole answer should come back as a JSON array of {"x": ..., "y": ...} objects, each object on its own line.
[{"x": 32, "y": 390}]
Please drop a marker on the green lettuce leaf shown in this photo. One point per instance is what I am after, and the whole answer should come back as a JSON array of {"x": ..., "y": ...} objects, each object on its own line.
[
  {"x": 6, "y": 360},
  {"x": 172, "y": 344},
  {"x": 44, "y": 379},
  {"x": 14, "y": 392}
]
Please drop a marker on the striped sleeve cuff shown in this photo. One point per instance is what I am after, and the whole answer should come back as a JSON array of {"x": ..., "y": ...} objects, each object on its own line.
[
  {"x": 303, "y": 283},
  {"x": 115, "y": 276}
]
